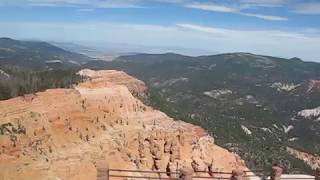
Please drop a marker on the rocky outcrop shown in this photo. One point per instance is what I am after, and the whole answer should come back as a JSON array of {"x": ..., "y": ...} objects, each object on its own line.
[
  {"x": 64, "y": 133},
  {"x": 312, "y": 114},
  {"x": 103, "y": 77},
  {"x": 309, "y": 159},
  {"x": 313, "y": 85},
  {"x": 308, "y": 86}
]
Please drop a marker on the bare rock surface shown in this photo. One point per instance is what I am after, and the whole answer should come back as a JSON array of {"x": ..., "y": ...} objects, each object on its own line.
[
  {"x": 64, "y": 133},
  {"x": 311, "y": 160}
]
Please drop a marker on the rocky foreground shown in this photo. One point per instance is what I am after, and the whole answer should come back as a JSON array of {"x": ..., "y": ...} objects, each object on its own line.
[{"x": 62, "y": 133}]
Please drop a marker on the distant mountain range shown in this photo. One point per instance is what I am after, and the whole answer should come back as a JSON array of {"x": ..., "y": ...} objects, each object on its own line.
[
  {"x": 34, "y": 54},
  {"x": 254, "y": 105}
]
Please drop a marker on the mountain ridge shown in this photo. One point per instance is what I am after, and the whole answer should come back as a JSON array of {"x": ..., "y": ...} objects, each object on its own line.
[{"x": 37, "y": 54}]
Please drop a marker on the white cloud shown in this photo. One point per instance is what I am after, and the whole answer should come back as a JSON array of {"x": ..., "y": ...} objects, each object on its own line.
[
  {"x": 308, "y": 8},
  {"x": 269, "y": 42},
  {"x": 266, "y": 17},
  {"x": 229, "y": 9},
  {"x": 237, "y": 33},
  {"x": 75, "y": 3},
  {"x": 86, "y": 3},
  {"x": 205, "y": 29},
  {"x": 262, "y": 3},
  {"x": 212, "y": 7}
]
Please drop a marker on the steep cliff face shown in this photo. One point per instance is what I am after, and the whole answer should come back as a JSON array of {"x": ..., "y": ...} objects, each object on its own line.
[{"x": 62, "y": 133}]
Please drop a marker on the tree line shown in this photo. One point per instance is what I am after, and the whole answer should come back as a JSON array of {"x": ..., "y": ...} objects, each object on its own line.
[{"x": 25, "y": 81}]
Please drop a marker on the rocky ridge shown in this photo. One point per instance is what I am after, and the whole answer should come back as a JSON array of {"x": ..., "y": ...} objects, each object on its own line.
[
  {"x": 311, "y": 160},
  {"x": 62, "y": 133}
]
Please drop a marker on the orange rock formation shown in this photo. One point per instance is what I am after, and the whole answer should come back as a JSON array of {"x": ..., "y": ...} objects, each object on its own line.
[{"x": 62, "y": 133}]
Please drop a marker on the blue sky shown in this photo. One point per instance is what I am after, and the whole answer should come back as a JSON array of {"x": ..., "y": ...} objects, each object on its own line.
[{"x": 284, "y": 28}]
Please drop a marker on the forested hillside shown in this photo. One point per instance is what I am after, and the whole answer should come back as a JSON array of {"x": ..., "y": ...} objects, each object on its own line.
[
  {"x": 254, "y": 105},
  {"x": 32, "y": 66},
  {"x": 38, "y": 55}
]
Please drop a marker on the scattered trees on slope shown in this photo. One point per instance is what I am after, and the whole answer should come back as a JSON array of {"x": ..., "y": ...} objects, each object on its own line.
[{"x": 24, "y": 81}]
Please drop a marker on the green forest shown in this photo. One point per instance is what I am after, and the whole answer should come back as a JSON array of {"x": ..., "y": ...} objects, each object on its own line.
[{"x": 25, "y": 81}]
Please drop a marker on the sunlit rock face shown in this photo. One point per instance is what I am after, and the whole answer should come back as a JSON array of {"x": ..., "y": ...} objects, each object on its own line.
[
  {"x": 313, "y": 114},
  {"x": 62, "y": 133}
]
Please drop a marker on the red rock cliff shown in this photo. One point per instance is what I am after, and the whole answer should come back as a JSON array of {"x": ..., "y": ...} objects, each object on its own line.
[{"x": 61, "y": 133}]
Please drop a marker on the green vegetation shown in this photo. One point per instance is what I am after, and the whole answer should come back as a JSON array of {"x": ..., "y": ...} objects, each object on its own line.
[
  {"x": 24, "y": 81},
  {"x": 177, "y": 87},
  {"x": 38, "y": 55}
]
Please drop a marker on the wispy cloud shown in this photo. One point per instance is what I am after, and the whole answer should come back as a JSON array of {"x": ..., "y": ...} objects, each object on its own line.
[
  {"x": 266, "y": 17},
  {"x": 217, "y": 31},
  {"x": 241, "y": 33},
  {"x": 87, "y": 3},
  {"x": 75, "y": 3},
  {"x": 212, "y": 7},
  {"x": 235, "y": 10},
  {"x": 308, "y": 8},
  {"x": 262, "y": 3}
]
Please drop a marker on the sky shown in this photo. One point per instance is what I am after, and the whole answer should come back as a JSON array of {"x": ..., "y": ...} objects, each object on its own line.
[{"x": 284, "y": 28}]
